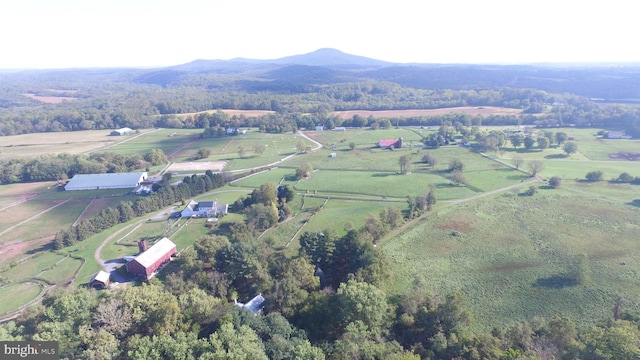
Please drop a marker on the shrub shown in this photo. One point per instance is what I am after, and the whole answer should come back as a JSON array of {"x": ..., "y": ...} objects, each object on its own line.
[
  {"x": 625, "y": 177},
  {"x": 532, "y": 190},
  {"x": 555, "y": 182},
  {"x": 594, "y": 175}
]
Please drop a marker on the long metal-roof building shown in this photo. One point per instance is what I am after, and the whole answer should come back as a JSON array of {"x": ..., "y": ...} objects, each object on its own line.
[{"x": 106, "y": 181}]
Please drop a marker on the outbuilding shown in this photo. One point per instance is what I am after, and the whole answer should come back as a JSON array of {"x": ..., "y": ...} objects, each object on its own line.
[
  {"x": 122, "y": 131},
  {"x": 106, "y": 181},
  {"x": 145, "y": 265},
  {"x": 100, "y": 280}
]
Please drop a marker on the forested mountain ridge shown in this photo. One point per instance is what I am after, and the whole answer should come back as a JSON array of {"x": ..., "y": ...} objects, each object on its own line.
[{"x": 316, "y": 83}]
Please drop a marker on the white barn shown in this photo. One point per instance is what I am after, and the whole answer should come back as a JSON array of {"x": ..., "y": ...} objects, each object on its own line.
[
  {"x": 204, "y": 209},
  {"x": 121, "y": 131},
  {"x": 106, "y": 181}
]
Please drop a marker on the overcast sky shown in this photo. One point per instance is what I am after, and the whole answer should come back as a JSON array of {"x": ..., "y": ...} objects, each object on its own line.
[{"x": 107, "y": 33}]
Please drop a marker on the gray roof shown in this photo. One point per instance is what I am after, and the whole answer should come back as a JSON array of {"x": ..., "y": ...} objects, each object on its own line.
[
  {"x": 110, "y": 180},
  {"x": 254, "y": 305},
  {"x": 158, "y": 250}
]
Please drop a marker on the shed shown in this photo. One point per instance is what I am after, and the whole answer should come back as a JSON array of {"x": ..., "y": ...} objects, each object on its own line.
[
  {"x": 147, "y": 264},
  {"x": 100, "y": 280}
]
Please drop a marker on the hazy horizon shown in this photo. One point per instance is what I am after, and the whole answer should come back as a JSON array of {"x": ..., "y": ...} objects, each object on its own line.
[{"x": 43, "y": 34}]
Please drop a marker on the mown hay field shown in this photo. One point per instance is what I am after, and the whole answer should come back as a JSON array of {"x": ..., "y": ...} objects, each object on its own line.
[
  {"x": 470, "y": 110},
  {"x": 74, "y": 142}
]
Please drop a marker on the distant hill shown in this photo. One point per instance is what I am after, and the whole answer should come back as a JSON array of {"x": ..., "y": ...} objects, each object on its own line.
[
  {"x": 330, "y": 66},
  {"x": 308, "y": 72}
]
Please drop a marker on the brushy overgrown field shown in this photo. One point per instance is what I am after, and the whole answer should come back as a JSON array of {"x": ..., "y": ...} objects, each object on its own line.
[{"x": 515, "y": 256}]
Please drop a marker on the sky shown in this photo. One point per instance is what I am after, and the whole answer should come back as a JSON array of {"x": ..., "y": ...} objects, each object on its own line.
[{"x": 44, "y": 34}]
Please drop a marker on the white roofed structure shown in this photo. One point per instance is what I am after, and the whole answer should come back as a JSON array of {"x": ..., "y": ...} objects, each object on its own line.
[{"x": 106, "y": 181}]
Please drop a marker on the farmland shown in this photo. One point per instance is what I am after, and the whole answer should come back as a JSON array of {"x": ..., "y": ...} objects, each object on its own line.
[{"x": 484, "y": 238}]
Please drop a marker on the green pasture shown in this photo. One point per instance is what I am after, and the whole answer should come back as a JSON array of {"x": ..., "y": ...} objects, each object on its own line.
[
  {"x": 13, "y": 215},
  {"x": 31, "y": 267},
  {"x": 61, "y": 271},
  {"x": 189, "y": 233},
  {"x": 624, "y": 193},
  {"x": 52, "y": 194},
  {"x": 513, "y": 256},
  {"x": 365, "y": 138},
  {"x": 604, "y": 149},
  {"x": 274, "y": 176},
  {"x": 591, "y": 146},
  {"x": 29, "y": 220},
  {"x": 17, "y": 295},
  {"x": 45, "y": 224},
  {"x": 380, "y": 184},
  {"x": 13, "y": 193},
  {"x": 338, "y": 214},
  {"x": 278, "y": 146},
  {"x": 567, "y": 169},
  {"x": 224, "y": 195},
  {"x": 126, "y": 242},
  {"x": 157, "y": 139}
]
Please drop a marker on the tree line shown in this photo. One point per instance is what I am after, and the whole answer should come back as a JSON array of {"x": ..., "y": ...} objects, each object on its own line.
[
  {"x": 64, "y": 166},
  {"x": 146, "y": 106}
]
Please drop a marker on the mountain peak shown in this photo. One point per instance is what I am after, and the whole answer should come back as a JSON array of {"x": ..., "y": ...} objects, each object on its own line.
[{"x": 330, "y": 57}]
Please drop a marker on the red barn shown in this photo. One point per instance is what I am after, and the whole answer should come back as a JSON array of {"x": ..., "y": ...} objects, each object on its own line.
[{"x": 146, "y": 264}]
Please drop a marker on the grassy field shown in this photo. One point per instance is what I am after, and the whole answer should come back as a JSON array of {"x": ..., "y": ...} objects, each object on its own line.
[
  {"x": 513, "y": 255},
  {"x": 158, "y": 139},
  {"x": 31, "y": 145},
  {"x": 17, "y": 295},
  {"x": 46, "y": 223},
  {"x": 30, "y": 268},
  {"x": 62, "y": 271}
]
